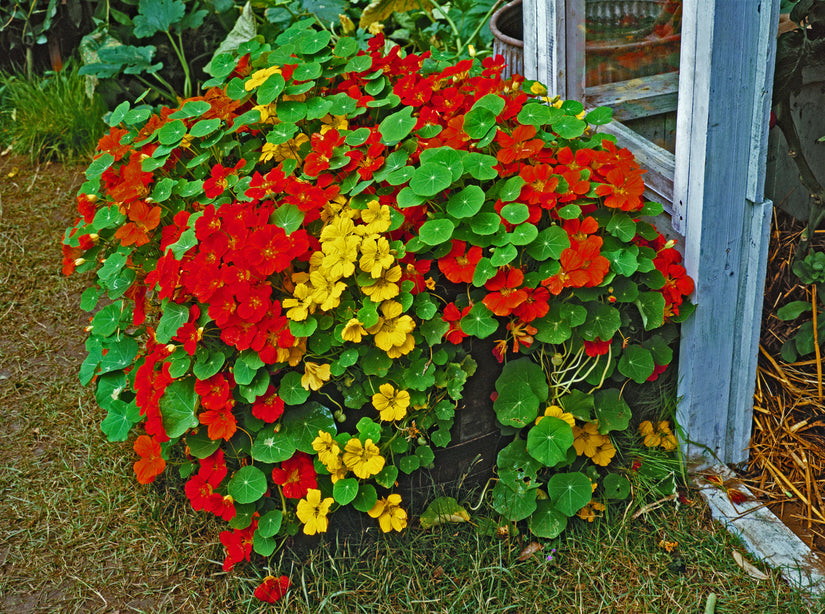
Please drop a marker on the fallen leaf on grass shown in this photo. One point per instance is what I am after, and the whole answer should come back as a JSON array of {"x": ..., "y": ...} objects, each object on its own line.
[
  {"x": 716, "y": 480},
  {"x": 752, "y": 571},
  {"x": 737, "y": 497},
  {"x": 443, "y": 510},
  {"x": 529, "y": 550}
]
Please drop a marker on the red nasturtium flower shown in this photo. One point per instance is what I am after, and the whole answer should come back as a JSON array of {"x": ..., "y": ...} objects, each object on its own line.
[
  {"x": 597, "y": 347},
  {"x": 268, "y": 407},
  {"x": 151, "y": 463},
  {"x": 623, "y": 190},
  {"x": 452, "y": 315},
  {"x": 237, "y": 544},
  {"x": 459, "y": 265},
  {"x": 519, "y": 145},
  {"x": 272, "y": 589},
  {"x": 581, "y": 266},
  {"x": 505, "y": 294},
  {"x": 296, "y": 475}
]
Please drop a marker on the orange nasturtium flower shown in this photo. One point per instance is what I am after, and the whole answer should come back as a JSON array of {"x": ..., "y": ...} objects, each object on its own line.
[
  {"x": 151, "y": 463},
  {"x": 313, "y": 510},
  {"x": 391, "y": 403}
]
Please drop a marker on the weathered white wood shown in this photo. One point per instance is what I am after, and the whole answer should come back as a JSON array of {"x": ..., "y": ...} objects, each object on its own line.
[
  {"x": 721, "y": 85},
  {"x": 575, "y": 32},
  {"x": 636, "y": 98},
  {"x": 544, "y": 49},
  {"x": 763, "y": 534}
]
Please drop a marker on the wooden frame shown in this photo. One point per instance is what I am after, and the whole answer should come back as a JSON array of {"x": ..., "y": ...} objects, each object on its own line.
[{"x": 712, "y": 188}]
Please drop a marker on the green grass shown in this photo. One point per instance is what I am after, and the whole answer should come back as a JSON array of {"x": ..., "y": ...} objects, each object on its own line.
[
  {"x": 49, "y": 117},
  {"x": 80, "y": 535}
]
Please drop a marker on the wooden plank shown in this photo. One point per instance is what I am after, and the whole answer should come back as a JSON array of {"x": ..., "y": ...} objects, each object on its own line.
[
  {"x": 724, "y": 235},
  {"x": 575, "y": 32},
  {"x": 636, "y": 98},
  {"x": 544, "y": 50}
]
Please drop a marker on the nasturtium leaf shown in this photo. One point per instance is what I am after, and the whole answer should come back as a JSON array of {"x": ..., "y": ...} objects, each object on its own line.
[
  {"x": 549, "y": 440},
  {"x": 523, "y": 234},
  {"x": 569, "y": 492},
  {"x": 291, "y": 390},
  {"x": 306, "y": 72},
  {"x": 622, "y": 226},
  {"x": 550, "y": 329},
  {"x": 503, "y": 255},
  {"x": 271, "y": 447},
  {"x": 368, "y": 429},
  {"x": 425, "y": 455},
  {"x": 289, "y": 217},
  {"x": 623, "y": 261},
  {"x": 243, "y": 373},
  {"x": 345, "y": 47},
  {"x": 408, "y": 198},
  {"x": 478, "y": 122},
  {"x": 359, "y": 63},
  {"x": 515, "y": 213},
  {"x": 569, "y": 212},
  {"x": 429, "y": 179},
  {"x": 222, "y": 65},
  {"x": 270, "y": 89},
  {"x": 109, "y": 387},
  {"x": 200, "y": 446},
  {"x": 247, "y": 485},
  {"x": 550, "y": 243},
  {"x": 433, "y": 330},
  {"x": 270, "y": 523},
  {"x": 447, "y": 157},
  {"x": 396, "y": 127},
  {"x": 106, "y": 321},
  {"x": 90, "y": 298},
  {"x": 292, "y": 111},
  {"x": 99, "y": 164},
  {"x": 119, "y": 420},
  {"x": 578, "y": 403},
  {"x": 366, "y": 498},
  {"x": 652, "y": 309},
  {"x": 312, "y": 41},
  {"x": 387, "y": 476},
  {"x": 436, "y": 232},
  {"x": 510, "y": 189},
  {"x": 172, "y": 132},
  {"x": 163, "y": 189},
  {"x": 304, "y": 328},
  {"x": 345, "y": 490},
  {"x": 516, "y": 405},
  {"x": 547, "y": 522},
  {"x": 534, "y": 114},
  {"x": 512, "y": 505},
  {"x": 174, "y": 316},
  {"x": 651, "y": 209},
  {"x": 636, "y": 363},
  {"x": 466, "y": 203},
  {"x": 243, "y": 516},
  {"x": 207, "y": 363},
  {"x": 191, "y": 108},
  {"x": 179, "y": 363},
  {"x": 616, "y": 486},
  {"x": 602, "y": 321},
  {"x": 516, "y": 467},
  {"x": 119, "y": 355},
  {"x": 484, "y": 271},
  {"x": 441, "y": 511},
  {"x": 485, "y": 223},
  {"x": 659, "y": 347},
  {"x": 599, "y": 116},
  {"x": 425, "y": 306},
  {"x": 409, "y": 463},
  {"x": 479, "y": 322},
  {"x": 303, "y": 423},
  {"x": 480, "y": 166},
  {"x": 138, "y": 115},
  {"x": 568, "y": 127},
  {"x": 119, "y": 113},
  {"x": 177, "y": 407},
  {"x": 624, "y": 290},
  {"x": 612, "y": 412}
]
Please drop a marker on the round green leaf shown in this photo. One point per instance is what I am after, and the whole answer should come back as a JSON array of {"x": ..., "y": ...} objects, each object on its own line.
[
  {"x": 523, "y": 234},
  {"x": 547, "y": 522},
  {"x": 568, "y": 127},
  {"x": 569, "y": 491},
  {"x": 479, "y": 322},
  {"x": 291, "y": 390},
  {"x": 345, "y": 47},
  {"x": 466, "y": 203},
  {"x": 485, "y": 223},
  {"x": 616, "y": 486},
  {"x": 312, "y": 41},
  {"x": 480, "y": 166},
  {"x": 344, "y": 491},
  {"x": 177, "y": 407},
  {"x": 534, "y": 114},
  {"x": 270, "y": 523},
  {"x": 549, "y": 440},
  {"x": 516, "y": 406},
  {"x": 636, "y": 363},
  {"x": 478, "y": 122},
  {"x": 516, "y": 468},
  {"x": 119, "y": 420},
  {"x": 513, "y": 505},
  {"x": 515, "y": 213},
  {"x": 264, "y": 546},
  {"x": 172, "y": 133},
  {"x": 247, "y": 485},
  {"x": 504, "y": 255},
  {"x": 200, "y": 446},
  {"x": 366, "y": 498},
  {"x": 270, "y": 89},
  {"x": 408, "y": 198},
  {"x": 602, "y": 321},
  {"x": 302, "y": 424},
  {"x": 397, "y": 126},
  {"x": 436, "y": 232},
  {"x": 191, "y": 108},
  {"x": 429, "y": 179},
  {"x": 270, "y": 447},
  {"x": 599, "y": 116}
]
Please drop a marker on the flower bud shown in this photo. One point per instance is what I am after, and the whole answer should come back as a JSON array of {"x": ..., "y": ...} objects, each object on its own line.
[
  {"x": 670, "y": 244},
  {"x": 94, "y": 237},
  {"x": 422, "y": 441},
  {"x": 557, "y": 359},
  {"x": 170, "y": 347},
  {"x": 471, "y": 50},
  {"x": 79, "y": 261}
]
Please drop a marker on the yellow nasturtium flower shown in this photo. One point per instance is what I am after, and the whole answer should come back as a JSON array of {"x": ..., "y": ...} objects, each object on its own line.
[
  {"x": 385, "y": 287},
  {"x": 376, "y": 217},
  {"x": 363, "y": 460},
  {"x": 587, "y": 439},
  {"x": 301, "y": 304},
  {"x": 340, "y": 255},
  {"x": 391, "y": 403},
  {"x": 604, "y": 453},
  {"x": 389, "y": 513},
  {"x": 557, "y": 412},
  {"x": 312, "y": 511},
  {"x": 260, "y": 76},
  {"x": 327, "y": 292},
  {"x": 375, "y": 256},
  {"x": 329, "y": 452},
  {"x": 314, "y": 375},
  {"x": 353, "y": 331},
  {"x": 392, "y": 331}
]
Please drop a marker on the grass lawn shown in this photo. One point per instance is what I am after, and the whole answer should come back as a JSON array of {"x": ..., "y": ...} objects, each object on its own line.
[{"x": 80, "y": 535}]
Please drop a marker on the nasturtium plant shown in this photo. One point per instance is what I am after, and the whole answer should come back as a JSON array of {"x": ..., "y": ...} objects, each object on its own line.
[{"x": 287, "y": 267}]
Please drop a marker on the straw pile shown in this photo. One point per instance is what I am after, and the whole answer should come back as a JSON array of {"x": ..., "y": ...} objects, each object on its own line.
[{"x": 787, "y": 461}]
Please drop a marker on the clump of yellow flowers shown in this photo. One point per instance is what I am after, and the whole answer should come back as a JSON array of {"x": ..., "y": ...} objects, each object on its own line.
[{"x": 658, "y": 435}]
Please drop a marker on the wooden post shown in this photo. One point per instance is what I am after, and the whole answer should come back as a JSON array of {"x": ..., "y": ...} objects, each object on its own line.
[{"x": 726, "y": 78}]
